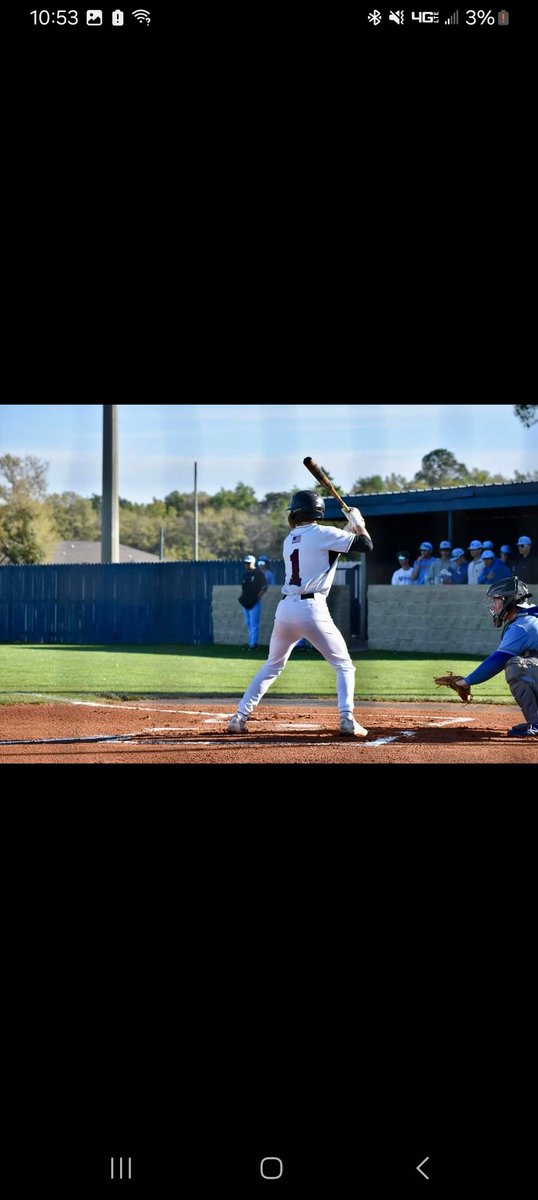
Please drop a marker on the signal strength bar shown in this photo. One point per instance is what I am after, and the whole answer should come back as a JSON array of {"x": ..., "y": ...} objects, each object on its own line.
[{"x": 454, "y": 19}]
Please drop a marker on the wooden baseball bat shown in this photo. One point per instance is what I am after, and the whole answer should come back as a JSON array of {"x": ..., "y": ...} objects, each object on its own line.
[{"x": 322, "y": 478}]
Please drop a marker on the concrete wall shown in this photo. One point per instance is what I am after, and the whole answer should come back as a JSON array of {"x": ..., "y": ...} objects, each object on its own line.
[
  {"x": 229, "y": 627},
  {"x": 449, "y": 620}
]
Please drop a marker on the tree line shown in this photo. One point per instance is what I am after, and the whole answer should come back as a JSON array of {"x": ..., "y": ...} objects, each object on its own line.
[{"x": 231, "y": 523}]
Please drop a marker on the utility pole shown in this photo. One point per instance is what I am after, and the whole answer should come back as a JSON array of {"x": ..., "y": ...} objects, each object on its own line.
[
  {"x": 110, "y": 517},
  {"x": 196, "y": 512},
  {"x": 162, "y": 543}
]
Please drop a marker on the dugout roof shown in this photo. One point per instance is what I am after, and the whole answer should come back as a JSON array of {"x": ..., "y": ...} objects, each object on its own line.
[{"x": 440, "y": 500}]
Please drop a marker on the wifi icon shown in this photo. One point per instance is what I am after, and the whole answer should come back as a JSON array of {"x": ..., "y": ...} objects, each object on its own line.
[{"x": 141, "y": 15}]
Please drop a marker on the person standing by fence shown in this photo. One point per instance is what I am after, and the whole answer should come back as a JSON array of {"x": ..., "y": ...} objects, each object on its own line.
[
  {"x": 253, "y": 587},
  {"x": 263, "y": 565}
]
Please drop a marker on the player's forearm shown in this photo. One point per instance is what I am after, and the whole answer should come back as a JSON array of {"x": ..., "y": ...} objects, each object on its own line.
[
  {"x": 362, "y": 541},
  {"x": 490, "y": 667}
]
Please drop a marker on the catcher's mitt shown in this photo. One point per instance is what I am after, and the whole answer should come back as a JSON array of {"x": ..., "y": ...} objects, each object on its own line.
[{"x": 457, "y": 683}]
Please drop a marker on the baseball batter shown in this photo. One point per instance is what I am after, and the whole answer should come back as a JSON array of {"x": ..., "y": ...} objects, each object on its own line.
[
  {"x": 310, "y": 553},
  {"x": 517, "y": 654}
]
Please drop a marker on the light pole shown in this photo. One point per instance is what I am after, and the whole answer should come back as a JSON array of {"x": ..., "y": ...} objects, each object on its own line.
[
  {"x": 196, "y": 512},
  {"x": 110, "y": 518}
]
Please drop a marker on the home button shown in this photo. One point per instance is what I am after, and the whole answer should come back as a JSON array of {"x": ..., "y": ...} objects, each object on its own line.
[{"x": 271, "y": 1168}]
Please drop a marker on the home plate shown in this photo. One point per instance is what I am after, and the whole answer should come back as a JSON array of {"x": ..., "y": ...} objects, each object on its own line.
[
  {"x": 296, "y": 725},
  {"x": 452, "y": 721},
  {"x": 385, "y": 741}
]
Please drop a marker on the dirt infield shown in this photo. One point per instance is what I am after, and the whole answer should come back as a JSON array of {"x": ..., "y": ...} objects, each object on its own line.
[{"x": 161, "y": 731}]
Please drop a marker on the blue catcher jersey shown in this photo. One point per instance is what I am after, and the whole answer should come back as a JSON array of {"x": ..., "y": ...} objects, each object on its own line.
[{"x": 522, "y": 633}]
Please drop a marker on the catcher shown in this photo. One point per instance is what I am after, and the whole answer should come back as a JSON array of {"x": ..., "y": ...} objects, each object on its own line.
[{"x": 508, "y": 603}]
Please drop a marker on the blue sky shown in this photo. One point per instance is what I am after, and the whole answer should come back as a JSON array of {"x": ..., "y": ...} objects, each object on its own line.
[{"x": 261, "y": 445}]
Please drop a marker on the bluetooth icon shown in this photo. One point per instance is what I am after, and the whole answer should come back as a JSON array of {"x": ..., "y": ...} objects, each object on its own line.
[{"x": 374, "y": 17}]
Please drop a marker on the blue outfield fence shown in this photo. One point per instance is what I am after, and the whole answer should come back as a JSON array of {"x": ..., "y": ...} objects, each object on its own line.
[{"x": 122, "y": 603}]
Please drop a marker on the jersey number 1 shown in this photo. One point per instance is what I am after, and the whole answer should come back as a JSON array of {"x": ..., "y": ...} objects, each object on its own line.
[{"x": 295, "y": 577}]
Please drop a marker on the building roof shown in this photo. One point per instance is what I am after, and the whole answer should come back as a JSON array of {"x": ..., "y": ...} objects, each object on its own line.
[
  {"x": 90, "y": 552},
  {"x": 442, "y": 499}
]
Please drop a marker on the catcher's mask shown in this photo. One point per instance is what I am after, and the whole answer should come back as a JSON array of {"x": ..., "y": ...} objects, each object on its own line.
[
  {"x": 305, "y": 506},
  {"x": 510, "y": 591}
]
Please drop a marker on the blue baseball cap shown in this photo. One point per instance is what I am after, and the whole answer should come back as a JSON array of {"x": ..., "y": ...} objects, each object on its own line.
[
  {"x": 457, "y": 553},
  {"x": 524, "y": 541},
  {"x": 263, "y": 558},
  {"x": 445, "y": 545},
  {"x": 487, "y": 545},
  {"x": 487, "y": 554},
  {"x": 425, "y": 546},
  {"x": 475, "y": 545},
  {"x": 506, "y": 549}
]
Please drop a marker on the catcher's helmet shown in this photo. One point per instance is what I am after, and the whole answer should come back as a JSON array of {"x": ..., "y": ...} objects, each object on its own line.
[
  {"x": 511, "y": 591},
  {"x": 305, "y": 506}
]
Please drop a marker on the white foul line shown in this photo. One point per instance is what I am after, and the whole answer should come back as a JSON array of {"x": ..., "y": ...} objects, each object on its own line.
[{"x": 98, "y": 704}]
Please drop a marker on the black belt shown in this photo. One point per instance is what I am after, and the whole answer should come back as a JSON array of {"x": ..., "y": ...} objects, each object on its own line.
[{"x": 305, "y": 595}]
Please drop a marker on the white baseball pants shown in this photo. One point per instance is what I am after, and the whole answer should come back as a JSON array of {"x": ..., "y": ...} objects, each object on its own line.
[{"x": 294, "y": 619}]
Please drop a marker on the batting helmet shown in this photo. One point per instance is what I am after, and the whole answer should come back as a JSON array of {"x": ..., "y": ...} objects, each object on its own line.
[
  {"x": 511, "y": 591},
  {"x": 305, "y": 506}
]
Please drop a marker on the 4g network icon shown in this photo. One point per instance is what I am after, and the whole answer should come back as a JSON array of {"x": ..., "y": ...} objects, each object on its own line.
[{"x": 398, "y": 16}]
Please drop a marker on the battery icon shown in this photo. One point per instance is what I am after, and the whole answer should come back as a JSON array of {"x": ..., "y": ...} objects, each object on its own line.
[
  {"x": 117, "y": 17},
  {"x": 504, "y": 17}
]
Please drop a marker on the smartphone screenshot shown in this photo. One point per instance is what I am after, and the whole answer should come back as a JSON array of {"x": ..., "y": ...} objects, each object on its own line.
[{"x": 126, "y": 180}]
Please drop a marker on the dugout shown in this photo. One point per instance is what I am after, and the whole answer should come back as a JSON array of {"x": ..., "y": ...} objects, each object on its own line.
[{"x": 402, "y": 520}]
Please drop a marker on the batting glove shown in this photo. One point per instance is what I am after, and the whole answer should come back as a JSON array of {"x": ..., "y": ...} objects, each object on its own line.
[{"x": 355, "y": 520}]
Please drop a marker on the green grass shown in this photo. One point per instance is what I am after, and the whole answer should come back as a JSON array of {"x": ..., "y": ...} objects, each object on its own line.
[{"x": 126, "y": 672}]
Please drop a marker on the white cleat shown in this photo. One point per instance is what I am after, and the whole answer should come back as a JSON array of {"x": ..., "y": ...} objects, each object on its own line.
[
  {"x": 350, "y": 728},
  {"x": 237, "y": 724}
]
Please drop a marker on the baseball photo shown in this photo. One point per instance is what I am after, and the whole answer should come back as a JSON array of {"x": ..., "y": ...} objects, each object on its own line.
[{"x": 168, "y": 598}]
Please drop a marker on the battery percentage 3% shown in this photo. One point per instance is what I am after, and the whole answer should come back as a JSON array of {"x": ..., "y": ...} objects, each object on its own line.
[{"x": 480, "y": 16}]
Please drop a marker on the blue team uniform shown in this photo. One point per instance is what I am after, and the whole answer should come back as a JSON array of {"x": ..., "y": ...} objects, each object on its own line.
[
  {"x": 491, "y": 574},
  {"x": 519, "y": 635},
  {"x": 459, "y": 574}
]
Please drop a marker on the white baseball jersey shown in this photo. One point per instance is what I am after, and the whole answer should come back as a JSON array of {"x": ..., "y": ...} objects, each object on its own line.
[
  {"x": 403, "y": 576},
  {"x": 474, "y": 569},
  {"x": 310, "y": 555}
]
